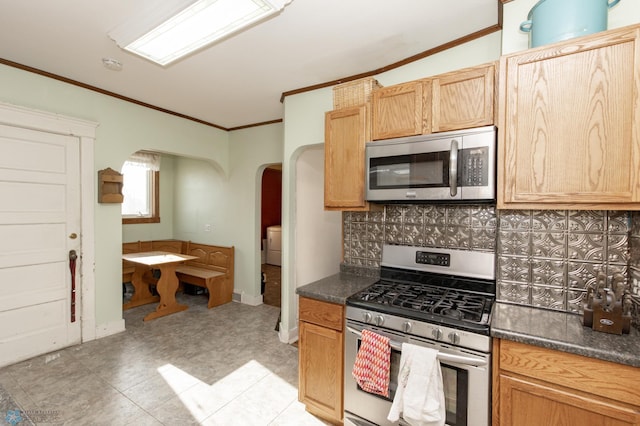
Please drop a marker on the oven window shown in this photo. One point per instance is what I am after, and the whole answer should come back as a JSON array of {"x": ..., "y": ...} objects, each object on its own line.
[{"x": 455, "y": 383}]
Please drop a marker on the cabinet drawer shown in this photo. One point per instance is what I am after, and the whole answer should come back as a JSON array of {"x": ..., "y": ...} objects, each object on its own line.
[
  {"x": 325, "y": 314},
  {"x": 607, "y": 379}
]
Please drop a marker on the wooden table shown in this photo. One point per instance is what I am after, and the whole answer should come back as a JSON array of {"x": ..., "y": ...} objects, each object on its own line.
[{"x": 167, "y": 284}]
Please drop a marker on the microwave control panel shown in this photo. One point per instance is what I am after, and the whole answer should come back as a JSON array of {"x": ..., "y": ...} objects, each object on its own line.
[{"x": 475, "y": 167}]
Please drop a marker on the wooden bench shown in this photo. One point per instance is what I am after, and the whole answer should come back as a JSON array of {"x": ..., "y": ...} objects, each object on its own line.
[
  {"x": 213, "y": 269},
  {"x": 129, "y": 267},
  {"x": 172, "y": 246}
]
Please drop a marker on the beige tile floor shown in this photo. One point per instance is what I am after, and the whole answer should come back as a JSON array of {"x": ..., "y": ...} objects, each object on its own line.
[{"x": 221, "y": 366}]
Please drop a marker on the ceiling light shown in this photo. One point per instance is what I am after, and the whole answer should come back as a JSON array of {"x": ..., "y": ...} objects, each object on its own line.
[{"x": 188, "y": 26}]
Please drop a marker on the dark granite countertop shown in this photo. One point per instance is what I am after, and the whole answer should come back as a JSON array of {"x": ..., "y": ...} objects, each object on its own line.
[
  {"x": 549, "y": 329},
  {"x": 336, "y": 288},
  {"x": 563, "y": 332}
]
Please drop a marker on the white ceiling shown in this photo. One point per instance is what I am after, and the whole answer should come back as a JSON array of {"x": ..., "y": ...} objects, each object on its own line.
[{"x": 238, "y": 81}]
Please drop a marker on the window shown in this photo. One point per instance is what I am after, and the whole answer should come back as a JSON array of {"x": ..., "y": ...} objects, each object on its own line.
[{"x": 141, "y": 188}]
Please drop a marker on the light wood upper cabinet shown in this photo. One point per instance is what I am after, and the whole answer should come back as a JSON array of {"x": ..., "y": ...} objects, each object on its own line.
[
  {"x": 452, "y": 101},
  {"x": 569, "y": 117},
  {"x": 535, "y": 386},
  {"x": 463, "y": 99},
  {"x": 346, "y": 132},
  {"x": 398, "y": 110}
]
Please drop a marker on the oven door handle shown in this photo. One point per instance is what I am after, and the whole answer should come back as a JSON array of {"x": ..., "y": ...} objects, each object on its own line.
[
  {"x": 444, "y": 357},
  {"x": 459, "y": 359}
]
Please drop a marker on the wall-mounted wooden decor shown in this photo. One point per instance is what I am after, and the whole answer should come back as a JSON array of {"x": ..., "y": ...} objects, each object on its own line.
[{"x": 110, "y": 186}]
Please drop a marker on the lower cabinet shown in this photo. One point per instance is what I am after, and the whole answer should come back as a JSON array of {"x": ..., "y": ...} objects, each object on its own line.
[
  {"x": 537, "y": 386},
  {"x": 321, "y": 358}
]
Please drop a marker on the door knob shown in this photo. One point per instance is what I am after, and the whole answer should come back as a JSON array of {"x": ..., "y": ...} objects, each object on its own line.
[{"x": 73, "y": 235}]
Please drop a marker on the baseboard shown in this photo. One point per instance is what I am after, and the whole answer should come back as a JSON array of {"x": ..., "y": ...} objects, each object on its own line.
[
  {"x": 250, "y": 300},
  {"x": 110, "y": 328},
  {"x": 288, "y": 336}
]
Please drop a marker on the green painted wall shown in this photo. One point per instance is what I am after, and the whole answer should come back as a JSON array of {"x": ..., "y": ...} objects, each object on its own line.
[
  {"x": 123, "y": 129},
  {"x": 304, "y": 118},
  {"x": 219, "y": 172},
  {"x": 304, "y": 127},
  {"x": 229, "y": 203}
]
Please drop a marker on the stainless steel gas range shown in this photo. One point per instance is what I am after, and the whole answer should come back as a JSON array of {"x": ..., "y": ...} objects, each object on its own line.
[{"x": 437, "y": 298}]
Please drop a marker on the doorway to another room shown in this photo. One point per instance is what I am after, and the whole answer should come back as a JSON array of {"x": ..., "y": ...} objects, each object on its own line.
[{"x": 270, "y": 234}]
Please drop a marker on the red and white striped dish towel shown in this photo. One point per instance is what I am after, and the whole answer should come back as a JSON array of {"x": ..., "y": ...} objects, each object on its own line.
[{"x": 373, "y": 362}]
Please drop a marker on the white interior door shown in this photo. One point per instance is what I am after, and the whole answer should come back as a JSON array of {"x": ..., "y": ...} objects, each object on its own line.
[{"x": 39, "y": 225}]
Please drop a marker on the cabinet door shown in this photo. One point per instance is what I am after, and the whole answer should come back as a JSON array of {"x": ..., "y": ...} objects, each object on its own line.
[
  {"x": 346, "y": 133},
  {"x": 569, "y": 122},
  {"x": 463, "y": 99},
  {"x": 320, "y": 370},
  {"x": 525, "y": 403},
  {"x": 397, "y": 110}
]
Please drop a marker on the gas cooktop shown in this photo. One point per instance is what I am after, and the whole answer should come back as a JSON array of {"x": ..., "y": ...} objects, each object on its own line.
[
  {"x": 450, "y": 287},
  {"x": 431, "y": 303}
]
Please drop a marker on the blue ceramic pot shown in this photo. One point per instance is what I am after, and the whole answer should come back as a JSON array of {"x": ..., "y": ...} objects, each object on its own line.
[{"x": 556, "y": 20}]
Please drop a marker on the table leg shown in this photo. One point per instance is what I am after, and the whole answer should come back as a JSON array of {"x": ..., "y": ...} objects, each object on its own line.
[
  {"x": 141, "y": 294},
  {"x": 167, "y": 287}
]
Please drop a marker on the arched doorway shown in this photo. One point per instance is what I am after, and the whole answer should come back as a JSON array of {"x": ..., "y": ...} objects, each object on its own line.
[{"x": 270, "y": 234}]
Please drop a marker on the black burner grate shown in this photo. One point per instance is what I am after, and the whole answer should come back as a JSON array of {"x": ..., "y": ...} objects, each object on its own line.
[{"x": 423, "y": 299}]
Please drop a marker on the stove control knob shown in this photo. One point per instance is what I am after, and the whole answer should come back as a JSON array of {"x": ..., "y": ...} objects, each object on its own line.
[
  {"x": 454, "y": 338},
  {"x": 367, "y": 317},
  {"x": 436, "y": 333},
  {"x": 379, "y": 320},
  {"x": 406, "y": 326}
]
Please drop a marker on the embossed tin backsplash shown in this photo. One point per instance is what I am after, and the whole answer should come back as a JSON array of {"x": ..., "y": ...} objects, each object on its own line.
[
  {"x": 545, "y": 258},
  {"x": 634, "y": 265}
]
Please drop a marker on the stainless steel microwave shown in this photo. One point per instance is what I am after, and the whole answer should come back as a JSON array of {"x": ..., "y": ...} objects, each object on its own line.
[{"x": 450, "y": 166}]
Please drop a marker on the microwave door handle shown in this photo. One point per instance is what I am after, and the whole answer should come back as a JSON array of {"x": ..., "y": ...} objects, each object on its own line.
[
  {"x": 453, "y": 168},
  {"x": 444, "y": 357}
]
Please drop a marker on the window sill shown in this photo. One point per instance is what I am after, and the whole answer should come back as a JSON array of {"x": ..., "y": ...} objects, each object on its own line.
[{"x": 135, "y": 220}]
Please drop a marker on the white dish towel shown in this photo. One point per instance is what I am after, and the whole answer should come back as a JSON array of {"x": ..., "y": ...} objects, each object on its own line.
[{"x": 420, "y": 395}]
